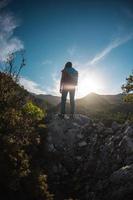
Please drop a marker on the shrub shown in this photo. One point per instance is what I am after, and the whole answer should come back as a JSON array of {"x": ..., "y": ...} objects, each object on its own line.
[
  {"x": 20, "y": 139},
  {"x": 33, "y": 111}
]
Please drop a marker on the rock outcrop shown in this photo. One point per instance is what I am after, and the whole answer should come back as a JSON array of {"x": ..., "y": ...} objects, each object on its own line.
[{"x": 88, "y": 160}]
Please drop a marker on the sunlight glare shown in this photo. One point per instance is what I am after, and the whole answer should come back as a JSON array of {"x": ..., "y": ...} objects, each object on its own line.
[{"x": 88, "y": 84}]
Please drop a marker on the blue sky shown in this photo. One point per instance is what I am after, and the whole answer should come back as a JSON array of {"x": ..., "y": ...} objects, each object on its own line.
[{"x": 97, "y": 36}]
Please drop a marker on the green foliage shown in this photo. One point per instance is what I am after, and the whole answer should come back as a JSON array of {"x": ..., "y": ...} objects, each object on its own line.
[
  {"x": 34, "y": 111},
  {"x": 128, "y": 89},
  {"x": 21, "y": 131},
  {"x": 108, "y": 117},
  {"x": 11, "y": 94},
  {"x": 128, "y": 98}
]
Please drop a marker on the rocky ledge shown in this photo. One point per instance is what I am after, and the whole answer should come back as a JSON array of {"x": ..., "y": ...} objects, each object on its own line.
[{"x": 88, "y": 160}]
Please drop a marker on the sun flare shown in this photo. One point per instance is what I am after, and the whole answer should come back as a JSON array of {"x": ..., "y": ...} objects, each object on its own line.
[{"x": 88, "y": 84}]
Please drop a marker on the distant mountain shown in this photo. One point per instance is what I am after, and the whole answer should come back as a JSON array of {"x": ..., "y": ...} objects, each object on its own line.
[
  {"x": 89, "y": 99},
  {"x": 97, "y": 98},
  {"x": 114, "y": 99},
  {"x": 93, "y": 99},
  {"x": 53, "y": 100},
  {"x": 93, "y": 103},
  {"x": 90, "y": 104}
]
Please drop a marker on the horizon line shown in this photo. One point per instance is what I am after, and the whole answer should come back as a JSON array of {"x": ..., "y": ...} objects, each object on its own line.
[{"x": 80, "y": 97}]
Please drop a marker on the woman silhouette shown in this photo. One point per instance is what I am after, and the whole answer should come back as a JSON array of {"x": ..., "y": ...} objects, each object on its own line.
[{"x": 69, "y": 80}]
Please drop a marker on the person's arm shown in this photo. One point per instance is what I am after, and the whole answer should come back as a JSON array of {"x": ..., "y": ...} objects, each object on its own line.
[
  {"x": 61, "y": 83},
  {"x": 77, "y": 77}
]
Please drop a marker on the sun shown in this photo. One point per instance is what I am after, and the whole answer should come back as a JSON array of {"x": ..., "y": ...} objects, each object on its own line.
[{"x": 88, "y": 84}]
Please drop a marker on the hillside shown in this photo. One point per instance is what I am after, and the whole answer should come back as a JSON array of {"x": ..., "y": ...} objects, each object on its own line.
[
  {"x": 53, "y": 100},
  {"x": 92, "y": 99},
  {"x": 102, "y": 107},
  {"x": 114, "y": 99},
  {"x": 92, "y": 102}
]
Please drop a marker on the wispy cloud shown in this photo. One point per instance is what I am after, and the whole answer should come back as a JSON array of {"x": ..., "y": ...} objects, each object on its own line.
[
  {"x": 72, "y": 50},
  {"x": 31, "y": 86},
  {"x": 8, "y": 23},
  {"x": 4, "y": 3},
  {"x": 114, "y": 44},
  {"x": 85, "y": 70},
  {"x": 47, "y": 62},
  {"x": 54, "y": 89},
  {"x": 128, "y": 13}
]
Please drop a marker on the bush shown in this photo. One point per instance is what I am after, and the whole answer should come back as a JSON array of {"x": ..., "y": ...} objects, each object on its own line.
[
  {"x": 33, "y": 111},
  {"x": 20, "y": 140},
  {"x": 128, "y": 89}
]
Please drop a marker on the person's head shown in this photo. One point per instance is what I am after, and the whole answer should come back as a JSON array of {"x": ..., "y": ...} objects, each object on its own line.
[{"x": 68, "y": 65}]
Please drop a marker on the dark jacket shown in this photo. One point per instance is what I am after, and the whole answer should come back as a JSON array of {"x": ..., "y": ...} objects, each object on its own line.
[{"x": 69, "y": 76}]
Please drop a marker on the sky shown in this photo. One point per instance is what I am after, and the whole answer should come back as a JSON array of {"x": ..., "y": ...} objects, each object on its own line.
[{"x": 95, "y": 35}]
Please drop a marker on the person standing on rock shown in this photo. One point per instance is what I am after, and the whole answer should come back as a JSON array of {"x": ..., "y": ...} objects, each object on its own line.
[{"x": 69, "y": 80}]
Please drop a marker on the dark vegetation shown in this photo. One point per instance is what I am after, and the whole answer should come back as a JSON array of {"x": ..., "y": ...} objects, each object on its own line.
[
  {"x": 128, "y": 88},
  {"x": 22, "y": 131},
  {"x": 21, "y": 128}
]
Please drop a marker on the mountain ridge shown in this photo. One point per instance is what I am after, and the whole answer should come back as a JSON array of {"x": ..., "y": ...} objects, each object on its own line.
[{"x": 54, "y": 100}]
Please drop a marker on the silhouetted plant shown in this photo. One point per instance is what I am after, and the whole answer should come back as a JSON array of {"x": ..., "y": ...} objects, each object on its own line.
[
  {"x": 128, "y": 89},
  {"x": 13, "y": 67}
]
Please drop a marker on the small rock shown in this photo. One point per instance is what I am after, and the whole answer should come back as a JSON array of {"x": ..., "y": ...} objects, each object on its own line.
[
  {"x": 100, "y": 127},
  {"x": 129, "y": 131},
  {"x": 51, "y": 147},
  {"x": 122, "y": 175},
  {"x": 127, "y": 123},
  {"x": 128, "y": 144},
  {"x": 115, "y": 126},
  {"x": 80, "y": 136},
  {"x": 78, "y": 157},
  {"x": 108, "y": 131},
  {"x": 82, "y": 144}
]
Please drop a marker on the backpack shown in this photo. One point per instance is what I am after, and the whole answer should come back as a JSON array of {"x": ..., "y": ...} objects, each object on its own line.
[
  {"x": 70, "y": 76},
  {"x": 74, "y": 78}
]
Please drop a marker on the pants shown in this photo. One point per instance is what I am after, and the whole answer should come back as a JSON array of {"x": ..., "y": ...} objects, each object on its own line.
[{"x": 63, "y": 101}]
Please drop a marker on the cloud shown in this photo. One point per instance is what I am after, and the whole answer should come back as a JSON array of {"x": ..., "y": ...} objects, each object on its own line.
[
  {"x": 4, "y": 3},
  {"x": 31, "y": 86},
  {"x": 47, "y": 62},
  {"x": 86, "y": 72},
  {"x": 114, "y": 44},
  {"x": 8, "y": 42},
  {"x": 54, "y": 89},
  {"x": 128, "y": 13},
  {"x": 71, "y": 51}
]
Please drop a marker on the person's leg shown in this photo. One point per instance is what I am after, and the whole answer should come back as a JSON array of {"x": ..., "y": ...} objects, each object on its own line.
[
  {"x": 72, "y": 101},
  {"x": 63, "y": 101}
]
